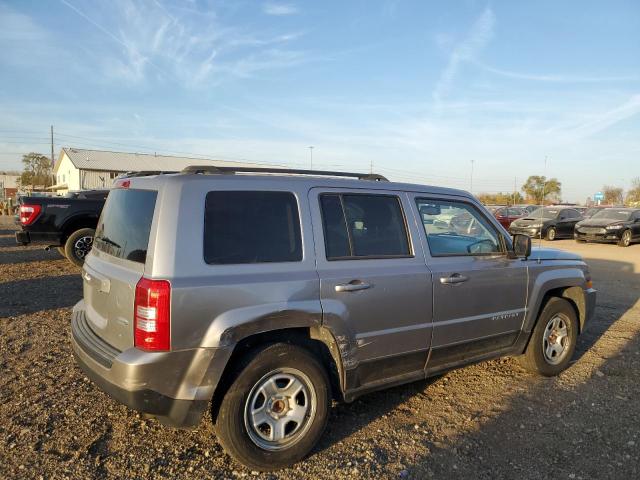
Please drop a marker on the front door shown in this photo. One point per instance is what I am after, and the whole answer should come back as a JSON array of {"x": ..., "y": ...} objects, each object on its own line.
[
  {"x": 479, "y": 292},
  {"x": 375, "y": 288}
]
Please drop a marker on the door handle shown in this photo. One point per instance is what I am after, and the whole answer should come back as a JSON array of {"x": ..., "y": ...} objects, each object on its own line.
[
  {"x": 454, "y": 279},
  {"x": 352, "y": 286}
]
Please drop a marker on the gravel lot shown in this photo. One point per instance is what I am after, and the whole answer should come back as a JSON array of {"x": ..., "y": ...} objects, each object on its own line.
[{"x": 491, "y": 420}]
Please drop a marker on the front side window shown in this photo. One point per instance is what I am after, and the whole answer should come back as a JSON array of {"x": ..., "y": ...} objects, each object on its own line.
[
  {"x": 457, "y": 228},
  {"x": 251, "y": 227},
  {"x": 363, "y": 226}
]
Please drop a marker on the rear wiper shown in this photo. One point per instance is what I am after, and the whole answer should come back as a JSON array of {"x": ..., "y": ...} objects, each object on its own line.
[{"x": 109, "y": 241}]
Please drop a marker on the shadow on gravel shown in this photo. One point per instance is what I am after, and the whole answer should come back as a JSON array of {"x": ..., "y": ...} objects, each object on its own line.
[
  {"x": 554, "y": 430},
  {"x": 37, "y": 294},
  {"x": 28, "y": 255}
]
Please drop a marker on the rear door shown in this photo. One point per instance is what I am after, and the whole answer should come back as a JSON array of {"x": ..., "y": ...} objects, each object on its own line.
[
  {"x": 479, "y": 293},
  {"x": 116, "y": 264},
  {"x": 375, "y": 288}
]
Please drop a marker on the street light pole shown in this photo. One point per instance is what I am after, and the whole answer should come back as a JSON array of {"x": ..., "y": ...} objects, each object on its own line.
[
  {"x": 311, "y": 155},
  {"x": 472, "y": 162}
]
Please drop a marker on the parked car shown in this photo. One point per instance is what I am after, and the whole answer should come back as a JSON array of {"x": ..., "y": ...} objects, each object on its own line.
[
  {"x": 611, "y": 225},
  {"x": 506, "y": 215},
  {"x": 67, "y": 223},
  {"x": 262, "y": 296},
  {"x": 548, "y": 222}
]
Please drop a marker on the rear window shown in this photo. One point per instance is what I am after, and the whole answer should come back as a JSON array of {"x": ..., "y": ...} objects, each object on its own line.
[
  {"x": 125, "y": 223},
  {"x": 251, "y": 227},
  {"x": 362, "y": 225}
]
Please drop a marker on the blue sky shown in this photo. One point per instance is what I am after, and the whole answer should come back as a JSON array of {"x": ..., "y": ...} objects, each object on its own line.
[{"x": 417, "y": 88}]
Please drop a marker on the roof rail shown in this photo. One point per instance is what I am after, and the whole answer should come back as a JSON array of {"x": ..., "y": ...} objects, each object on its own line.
[
  {"x": 145, "y": 173},
  {"x": 213, "y": 170}
]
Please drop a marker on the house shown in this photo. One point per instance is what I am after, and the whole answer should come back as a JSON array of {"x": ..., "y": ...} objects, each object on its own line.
[
  {"x": 8, "y": 186},
  {"x": 81, "y": 169}
]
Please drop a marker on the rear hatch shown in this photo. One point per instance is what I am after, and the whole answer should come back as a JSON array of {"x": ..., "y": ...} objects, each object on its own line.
[{"x": 116, "y": 264}]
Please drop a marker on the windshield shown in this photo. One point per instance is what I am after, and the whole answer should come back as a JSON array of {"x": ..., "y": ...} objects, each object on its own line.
[
  {"x": 544, "y": 213},
  {"x": 613, "y": 214}
]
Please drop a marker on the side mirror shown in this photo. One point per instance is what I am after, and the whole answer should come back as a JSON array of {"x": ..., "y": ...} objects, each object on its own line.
[{"x": 521, "y": 245}]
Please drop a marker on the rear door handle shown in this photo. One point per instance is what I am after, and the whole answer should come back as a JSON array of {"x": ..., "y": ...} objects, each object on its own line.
[
  {"x": 454, "y": 279},
  {"x": 352, "y": 286}
]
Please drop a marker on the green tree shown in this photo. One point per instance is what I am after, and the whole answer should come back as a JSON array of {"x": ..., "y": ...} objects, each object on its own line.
[
  {"x": 633, "y": 195},
  {"x": 37, "y": 170},
  {"x": 535, "y": 185},
  {"x": 612, "y": 195}
]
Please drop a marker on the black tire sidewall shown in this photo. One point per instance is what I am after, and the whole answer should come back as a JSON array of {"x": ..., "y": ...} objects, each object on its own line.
[
  {"x": 230, "y": 425},
  {"x": 534, "y": 350},
  {"x": 71, "y": 240},
  {"x": 622, "y": 243}
]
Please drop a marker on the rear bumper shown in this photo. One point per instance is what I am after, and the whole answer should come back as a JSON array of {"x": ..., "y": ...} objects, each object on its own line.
[
  {"x": 25, "y": 237},
  {"x": 175, "y": 387}
]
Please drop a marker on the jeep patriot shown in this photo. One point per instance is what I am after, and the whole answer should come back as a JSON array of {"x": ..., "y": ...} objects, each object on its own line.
[{"x": 262, "y": 295}]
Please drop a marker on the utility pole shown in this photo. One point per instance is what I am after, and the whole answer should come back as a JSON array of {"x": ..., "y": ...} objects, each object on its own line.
[
  {"x": 514, "y": 190},
  {"x": 311, "y": 155},
  {"x": 371, "y": 166},
  {"x": 471, "y": 189},
  {"x": 51, "y": 146}
]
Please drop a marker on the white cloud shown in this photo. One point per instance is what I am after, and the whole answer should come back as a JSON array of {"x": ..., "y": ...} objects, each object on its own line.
[
  {"x": 466, "y": 51},
  {"x": 279, "y": 9},
  {"x": 553, "y": 77}
]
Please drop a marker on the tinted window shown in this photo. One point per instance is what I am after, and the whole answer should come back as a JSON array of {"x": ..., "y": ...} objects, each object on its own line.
[
  {"x": 125, "y": 223},
  {"x": 363, "y": 226},
  {"x": 336, "y": 239},
  {"x": 251, "y": 227},
  {"x": 457, "y": 228}
]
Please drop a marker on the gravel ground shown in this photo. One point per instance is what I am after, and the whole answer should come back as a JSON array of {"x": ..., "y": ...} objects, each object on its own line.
[{"x": 491, "y": 420}]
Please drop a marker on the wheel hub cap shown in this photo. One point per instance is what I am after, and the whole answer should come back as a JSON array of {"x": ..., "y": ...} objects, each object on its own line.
[
  {"x": 555, "y": 341},
  {"x": 280, "y": 409}
]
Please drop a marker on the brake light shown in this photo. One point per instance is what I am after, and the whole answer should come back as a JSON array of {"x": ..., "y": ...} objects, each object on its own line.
[
  {"x": 28, "y": 213},
  {"x": 152, "y": 315},
  {"x": 123, "y": 183}
]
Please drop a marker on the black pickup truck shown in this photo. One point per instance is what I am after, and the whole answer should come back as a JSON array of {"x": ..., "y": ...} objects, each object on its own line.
[{"x": 67, "y": 223}]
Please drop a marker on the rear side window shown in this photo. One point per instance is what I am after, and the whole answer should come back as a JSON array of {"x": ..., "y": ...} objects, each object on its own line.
[
  {"x": 361, "y": 226},
  {"x": 251, "y": 227},
  {"x": 125, "y": 223}
]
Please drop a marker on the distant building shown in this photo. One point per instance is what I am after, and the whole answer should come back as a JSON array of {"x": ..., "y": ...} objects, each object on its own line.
[
  {"x": 8, "y": 186},
  {"x": 80, "y": 169}
]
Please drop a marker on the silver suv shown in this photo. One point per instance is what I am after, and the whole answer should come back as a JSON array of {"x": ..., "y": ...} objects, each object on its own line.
[{"x": 262, "y": 296}]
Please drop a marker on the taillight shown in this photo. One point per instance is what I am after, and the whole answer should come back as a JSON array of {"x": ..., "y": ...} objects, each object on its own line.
[
  {"x": 28, "y": 213},
  {"x": 152, "y": 315},
  {"x": 122, "y": 183}
]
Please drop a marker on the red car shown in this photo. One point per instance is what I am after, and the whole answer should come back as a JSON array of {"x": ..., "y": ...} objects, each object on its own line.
[{"x": 506, "y": 215}]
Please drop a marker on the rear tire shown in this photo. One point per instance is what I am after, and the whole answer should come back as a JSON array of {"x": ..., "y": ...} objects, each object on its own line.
[
  {"x": 553, "y": 340},
  {"x": 262, "y": 423},
  {"x": 551, "y": 234},
  {"x": 78, "y": 245},
  {"x": 625, "y": 240}
]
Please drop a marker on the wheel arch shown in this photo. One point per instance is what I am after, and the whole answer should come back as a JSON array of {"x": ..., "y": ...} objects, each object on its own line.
[
  {"x": 316, "y": 339},
  {"x": 76, "y": 223}
]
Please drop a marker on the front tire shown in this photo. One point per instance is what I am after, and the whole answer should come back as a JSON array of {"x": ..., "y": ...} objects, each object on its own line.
[
  {"x": 553, "y": 340},
  {"x": 78, "y": 245},
  {"x": 625, "y": 239},
  {"x": 551, "y": 234},
  {"x": 275, "y": 409}
]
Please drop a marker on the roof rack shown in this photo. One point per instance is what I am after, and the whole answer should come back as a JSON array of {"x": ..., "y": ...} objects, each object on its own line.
[
  {"x": 145, "y": 173},
  {"x": 213, "y": 170}
]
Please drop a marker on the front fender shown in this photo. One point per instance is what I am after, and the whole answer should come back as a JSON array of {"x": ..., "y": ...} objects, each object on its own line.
[{"x": 570, "y": 281}]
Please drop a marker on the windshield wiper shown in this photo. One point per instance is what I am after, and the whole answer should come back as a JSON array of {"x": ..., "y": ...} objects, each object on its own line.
[{"x": 108, "y": 241}]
